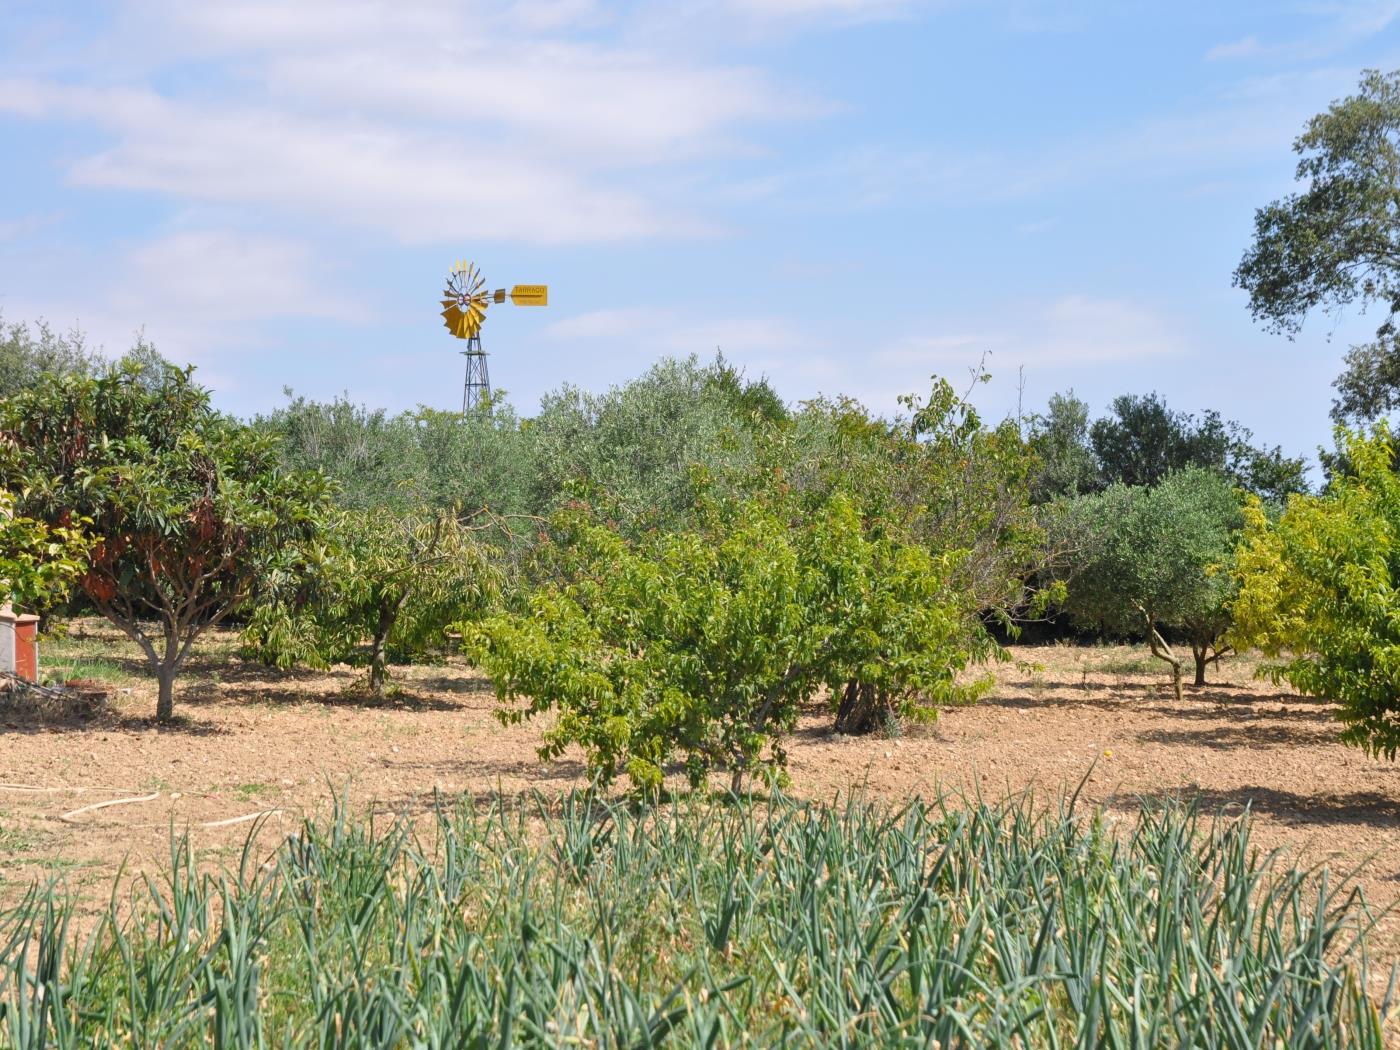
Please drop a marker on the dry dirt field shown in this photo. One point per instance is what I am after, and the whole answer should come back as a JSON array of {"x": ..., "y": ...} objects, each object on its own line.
[{"x": 252, "y": 740}]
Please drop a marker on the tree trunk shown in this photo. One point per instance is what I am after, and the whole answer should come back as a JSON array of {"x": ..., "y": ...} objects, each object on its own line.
[
  {"x": 1163, "y": 651},
  {"x": 378, "y": 654},
  {"x": 863, "y": 709},
  {"x": 165, "y": 700},
  {"x": 1199, "y": 652},
  {"x": 377, "y": 669}
]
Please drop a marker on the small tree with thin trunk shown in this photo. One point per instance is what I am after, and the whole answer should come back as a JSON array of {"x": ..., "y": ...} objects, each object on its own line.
[
  {"x": 1155, "y": 562},
  {"x": 386, "y": 589},
  {"x": 189, "y": 509}
]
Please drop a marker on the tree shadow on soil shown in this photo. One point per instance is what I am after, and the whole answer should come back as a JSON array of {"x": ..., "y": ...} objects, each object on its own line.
[
  {"x": 35, "y": 722},
  {"x": 355, "y": 695},
  {"x": 1358, "y": 808},
  {"x": 463, "y": 685},
  {"x": 490, "y": 775},
  {"x": 1256, "y": 734},
  {"x": 1212, "y": 702}
]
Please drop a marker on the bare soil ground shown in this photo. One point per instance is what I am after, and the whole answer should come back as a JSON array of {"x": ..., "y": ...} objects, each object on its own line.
[{"x": 254, "y": 740}]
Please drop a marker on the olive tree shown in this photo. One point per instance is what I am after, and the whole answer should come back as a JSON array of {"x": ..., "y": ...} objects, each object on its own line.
[
  {"x": 26, "y": 353},
  {"x": 1156, "y": 561},
  {"x": 190, "y": 511},
  {"x": 1320, "y": 591},
  {"x": 634, "y": 449}
]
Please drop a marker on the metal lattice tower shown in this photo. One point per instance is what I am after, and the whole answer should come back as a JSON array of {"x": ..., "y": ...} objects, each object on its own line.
[
  {"x": 476, "y": 388},
  {"x": 464, "y": 302}
]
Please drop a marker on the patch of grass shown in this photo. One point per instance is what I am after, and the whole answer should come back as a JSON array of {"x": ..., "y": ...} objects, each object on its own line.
[
  {"x": 98, "y": 668},
  {"x": 254, "y": 790},
  {"x": 17, "y": 840},
  {"x": 582, "y": 922},
  {"x": 1128, "y": 663}
]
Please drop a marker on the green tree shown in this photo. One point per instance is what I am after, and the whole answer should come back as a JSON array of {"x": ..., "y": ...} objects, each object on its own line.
[
  {"x": 1337, "y": 242},
  {"x": 937, "y": 473},
  {"x": 1320, "y": 591},
  {"x": 25, "y": 355},
  {"x": 373, "y": 457},
  {"x": 633, "y": 450},
  {"x": 1060, "y": 441},
  {"x": 38, "y": 563},
  {"x": 1141, "y": 441},
  {"x": 1156, "y": 561},
  {"x": 701, "y": 645},
  {"x": 190, "y": 509},
  {"x": 384, "y": 587},
  {"x": 404, "y": 463}
]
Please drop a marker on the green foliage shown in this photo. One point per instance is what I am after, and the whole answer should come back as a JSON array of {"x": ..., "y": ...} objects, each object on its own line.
[
  {"x": 394, "y": 582},
  {"x": 1060, "y": 441},
  {"x": 1337, "y": 243},
  {"x": 411, "y": 461},
  {"x": 1320, "y": 590},
  {"x": 634, "y": 450},
  {"x": 585, "y": 923},
  {"x": 38, "y": 563},
  {"x": 25, "y": 355},
  {"x": 701, "y": 645},
  {"x": 1155, "y": 560},
  {"x": 938, "y": 474},
  {"x": 372, "y": 457},
  {"x": 190, "y": 509},
  {"x": 1142, "y": 441}
]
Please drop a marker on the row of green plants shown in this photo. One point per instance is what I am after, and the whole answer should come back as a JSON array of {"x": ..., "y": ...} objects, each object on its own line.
[
  {"x": 709, "y": 561},
  {"x": 674, "y": 564},
  {"x": 707, "y": 923}
]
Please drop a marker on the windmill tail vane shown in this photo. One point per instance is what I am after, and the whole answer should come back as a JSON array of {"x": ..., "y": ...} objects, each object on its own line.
[{"x": 464, "y": 302}]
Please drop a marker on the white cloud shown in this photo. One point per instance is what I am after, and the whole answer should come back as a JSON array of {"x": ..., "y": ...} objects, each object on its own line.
[
  {"x": 1339, "y": 26},
  {"x": 414, "y": 186},
  {"x": 846, "y": 10},
  {"x": 610, "y": 324},
  {"x": 1248, "y": 47},
  {"x": 223, "y": 277},
  {"x": 24, "y": 226},
  {"x": 426, "y": 119},
  {"x": 1049, "y": 340},
  {"x": 677, "y": 333},
  {"x": 200, "y": 296}
]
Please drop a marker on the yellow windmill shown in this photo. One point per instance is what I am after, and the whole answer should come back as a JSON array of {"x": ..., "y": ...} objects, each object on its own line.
[{"x": 464, "y": 303}]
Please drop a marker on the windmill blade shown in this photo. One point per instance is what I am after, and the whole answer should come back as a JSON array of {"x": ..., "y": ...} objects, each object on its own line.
[{"x": 465, "y": 299}]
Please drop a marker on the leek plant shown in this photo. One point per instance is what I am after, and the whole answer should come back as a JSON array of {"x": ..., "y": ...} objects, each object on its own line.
[{"x": 599, "y": 923}]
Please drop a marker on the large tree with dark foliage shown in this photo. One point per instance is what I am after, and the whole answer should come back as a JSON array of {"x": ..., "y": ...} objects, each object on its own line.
[
  {"x": 190, "y": 510},
  {"x": 1141, "y": 441},
  {"x": 1337, "y": 242}
]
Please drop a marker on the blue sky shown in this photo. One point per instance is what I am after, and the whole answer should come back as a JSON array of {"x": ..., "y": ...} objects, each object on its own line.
[{"x": 844, "y": 195}]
